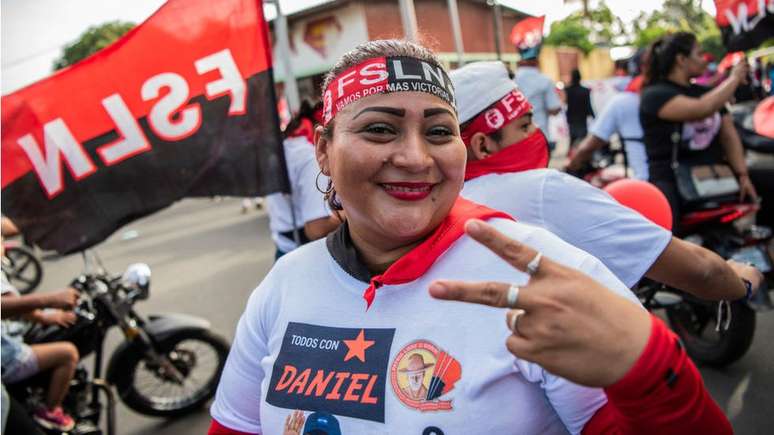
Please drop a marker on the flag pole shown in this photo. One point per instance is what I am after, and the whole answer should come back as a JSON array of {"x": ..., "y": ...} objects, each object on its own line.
[
  {"x": 283, "y": 44},
  {"x": 454, "y": 16},
  {"x": 291, "y": 94},
  {"x": 409, "y": 19}
]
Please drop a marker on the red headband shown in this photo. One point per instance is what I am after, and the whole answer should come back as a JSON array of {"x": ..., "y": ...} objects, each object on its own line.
[
  {"x": 513, "y": 105},
  {"x": 382, "y": 75}
]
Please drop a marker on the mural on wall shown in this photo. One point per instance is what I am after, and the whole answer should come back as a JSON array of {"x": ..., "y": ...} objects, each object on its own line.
[
  {"x": 322, "y": 33},
  {"x": 317, "y": 41}
]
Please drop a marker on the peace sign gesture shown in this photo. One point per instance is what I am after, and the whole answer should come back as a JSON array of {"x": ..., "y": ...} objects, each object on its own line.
[{"x": 562, "y": 319}]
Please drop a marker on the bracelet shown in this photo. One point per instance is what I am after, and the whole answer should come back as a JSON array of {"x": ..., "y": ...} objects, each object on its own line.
[{"x": 748, "y": 289}]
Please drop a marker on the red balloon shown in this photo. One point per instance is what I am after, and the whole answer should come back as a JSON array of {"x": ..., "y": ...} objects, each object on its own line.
[{"x": 644, "y": 198}]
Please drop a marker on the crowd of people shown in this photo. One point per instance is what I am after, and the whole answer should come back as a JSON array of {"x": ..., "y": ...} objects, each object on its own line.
[
  {"x": 472, "y": 289},
  {"x": 432, "y": 275}
]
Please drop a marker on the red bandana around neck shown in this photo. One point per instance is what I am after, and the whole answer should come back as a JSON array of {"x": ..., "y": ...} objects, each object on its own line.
[
  {"x": 529, "y": 153},
  {"x": 513, "y": 105},
  {"x": 417, "y": 261}
]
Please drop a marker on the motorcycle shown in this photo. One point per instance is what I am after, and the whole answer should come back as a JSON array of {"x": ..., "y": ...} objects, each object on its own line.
[
  {"x": 713, "y": 333},
  {"x": 167, "y": 365},
  {"x": 717, "y": 333}
]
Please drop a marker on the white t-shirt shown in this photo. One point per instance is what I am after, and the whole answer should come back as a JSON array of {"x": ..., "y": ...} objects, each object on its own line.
[
  {"x": 308, "y": 203},
  {"x": 540, "y": 92},
  {"x": 306, "y": 341},
  {"x": 622, "y": 116},
  {"x": 579, "y": 213}
]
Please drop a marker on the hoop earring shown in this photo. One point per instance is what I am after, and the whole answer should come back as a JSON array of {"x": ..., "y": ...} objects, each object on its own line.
[{"x": 328, "y": 190}]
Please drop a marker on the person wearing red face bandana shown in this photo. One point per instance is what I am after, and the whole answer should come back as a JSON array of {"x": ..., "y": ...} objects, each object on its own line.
[{"x": 506, "y": 170}]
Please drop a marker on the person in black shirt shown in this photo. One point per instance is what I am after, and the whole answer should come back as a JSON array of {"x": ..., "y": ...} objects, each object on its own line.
[
  {"x": 578, "y": 108},
  {"x": 671, "y": 105}
]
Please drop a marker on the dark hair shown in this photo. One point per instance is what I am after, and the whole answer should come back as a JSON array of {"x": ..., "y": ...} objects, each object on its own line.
[
  {"x": 662, "y": 55},
  {"x": 575, "y": 77},
  {"x": 361, "y": 53},
  {"x": 306, "y": 111}
]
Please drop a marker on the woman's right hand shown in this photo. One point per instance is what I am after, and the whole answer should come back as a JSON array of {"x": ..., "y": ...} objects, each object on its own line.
[{"x": 572, "y": 326}]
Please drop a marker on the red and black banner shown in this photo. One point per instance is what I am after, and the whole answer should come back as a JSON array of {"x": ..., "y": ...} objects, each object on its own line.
[
  {"x": 527, "y": 36},
  {"x": 181, "y": 106},
  {"x": 745, "y": 24}
]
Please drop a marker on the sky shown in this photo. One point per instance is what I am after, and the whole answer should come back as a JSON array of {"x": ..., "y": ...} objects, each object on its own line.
[{"x": 34, "y": 32}]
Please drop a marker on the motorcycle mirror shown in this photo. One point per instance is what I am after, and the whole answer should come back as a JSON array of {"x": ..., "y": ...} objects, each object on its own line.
[{"x": 137, "y": 277}]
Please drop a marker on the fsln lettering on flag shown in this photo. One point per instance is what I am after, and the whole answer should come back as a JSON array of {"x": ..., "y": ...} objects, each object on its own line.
[
  {"x": 181, "y": 106},
  {"x": 745, "y": 24}
]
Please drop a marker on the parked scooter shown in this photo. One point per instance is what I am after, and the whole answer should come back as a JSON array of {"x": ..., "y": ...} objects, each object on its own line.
[{"x": 168, "y": 364}]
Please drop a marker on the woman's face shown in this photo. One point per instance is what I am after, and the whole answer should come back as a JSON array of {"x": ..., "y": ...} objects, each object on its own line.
[
  {"x": 397, "y": 163},
  {"x": 694, "y": 64}
]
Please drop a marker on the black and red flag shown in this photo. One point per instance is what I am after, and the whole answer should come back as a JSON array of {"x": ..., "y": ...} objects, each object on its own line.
[
  {"x": 527, "y": 36},
  {"x": 181, "y": 106},
  {"x": 745, "y": 24}
]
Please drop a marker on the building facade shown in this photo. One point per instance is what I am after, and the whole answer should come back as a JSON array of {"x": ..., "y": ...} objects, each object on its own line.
[{"x": 321, "y": 34}]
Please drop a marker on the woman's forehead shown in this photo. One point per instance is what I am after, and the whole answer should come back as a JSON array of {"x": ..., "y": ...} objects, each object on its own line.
[{"x": 411, "y": 103}]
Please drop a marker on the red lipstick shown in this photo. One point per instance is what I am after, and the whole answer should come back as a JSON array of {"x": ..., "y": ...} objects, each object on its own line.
[{"x": 408, "y": 191}]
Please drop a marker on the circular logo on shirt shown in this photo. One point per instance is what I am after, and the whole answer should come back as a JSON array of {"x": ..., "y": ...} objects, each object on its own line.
[
  {"x": 494, "y": 118},
  {"x": 422, "y": 375}
]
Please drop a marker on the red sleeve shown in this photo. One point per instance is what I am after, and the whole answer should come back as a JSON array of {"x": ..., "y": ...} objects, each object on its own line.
[
  {"x": 218, "y": 429},
  {"x": 663, "y": 393}
]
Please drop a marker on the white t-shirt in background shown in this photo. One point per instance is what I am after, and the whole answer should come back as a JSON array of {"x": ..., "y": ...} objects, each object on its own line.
[
  {"x": 308, "y": 203},
  {"x": 540, "y": 91},
  {"x": 306, "y": 327},
  {"x": 622, "y": 116},
  {"x": 577, "y": 212}
]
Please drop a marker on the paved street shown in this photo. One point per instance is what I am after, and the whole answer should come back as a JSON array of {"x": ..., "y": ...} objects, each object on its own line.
[{"x": 206, "y": 257}]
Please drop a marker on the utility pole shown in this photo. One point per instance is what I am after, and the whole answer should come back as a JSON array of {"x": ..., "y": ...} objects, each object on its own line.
[
  {"x": 498, "y": 27},
  {"x": 409, "y": 18},
  {"x": 283, "y": 43},
  {"x": 454, "y": 16}
]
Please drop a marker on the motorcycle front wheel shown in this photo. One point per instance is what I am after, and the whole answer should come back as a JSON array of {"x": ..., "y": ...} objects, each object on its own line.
[
  {"x": 23, "y": 268},
  {"x": 695, "y": 322},
  {"x": 150, "y": 388}
]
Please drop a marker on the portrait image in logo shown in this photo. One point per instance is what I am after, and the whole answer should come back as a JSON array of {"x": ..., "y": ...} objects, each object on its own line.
[{"x": 422, "y": 376}]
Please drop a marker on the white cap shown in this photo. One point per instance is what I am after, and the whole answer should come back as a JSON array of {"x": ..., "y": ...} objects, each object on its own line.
[{"x": 478, "y": 85}]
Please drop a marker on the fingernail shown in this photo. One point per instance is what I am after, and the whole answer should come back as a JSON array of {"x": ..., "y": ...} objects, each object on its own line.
[
  {"x": 437, "y": 288},
  {"x": 473, "y": 226}
]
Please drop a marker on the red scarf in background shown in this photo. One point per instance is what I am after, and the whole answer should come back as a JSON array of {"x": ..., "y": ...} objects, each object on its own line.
[
  {"x": 530, "y": 153},
  {"x": 306, "y": 129},
  {"x": 635, "y": 85},
  {"x": 417, "y": 261}
]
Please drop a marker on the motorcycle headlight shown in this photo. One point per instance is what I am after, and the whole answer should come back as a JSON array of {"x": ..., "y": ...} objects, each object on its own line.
[{"x": 137, "y": 277}]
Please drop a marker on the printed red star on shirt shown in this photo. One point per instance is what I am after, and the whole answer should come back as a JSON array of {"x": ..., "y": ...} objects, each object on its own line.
[{"x": 357, "y": 347}]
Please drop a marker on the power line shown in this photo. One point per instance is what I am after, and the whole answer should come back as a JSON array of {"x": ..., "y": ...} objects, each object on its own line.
[{"x": 15, "y": 62}]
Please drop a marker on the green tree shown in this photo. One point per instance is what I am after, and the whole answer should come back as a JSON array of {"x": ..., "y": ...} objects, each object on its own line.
[
  {"x": 587, "y": 29},
  {"x": 570, "y": 32},
  {"x": 676, "y": 16},
  {"x": 95, "y": 38}
]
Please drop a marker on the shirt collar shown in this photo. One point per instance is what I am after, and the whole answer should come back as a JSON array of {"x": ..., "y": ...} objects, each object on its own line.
[{"x": 341, "y": 248}]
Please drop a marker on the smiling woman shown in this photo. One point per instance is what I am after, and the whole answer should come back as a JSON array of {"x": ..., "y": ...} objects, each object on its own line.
[{"x": 410, "y": 361}]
